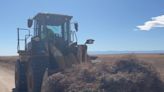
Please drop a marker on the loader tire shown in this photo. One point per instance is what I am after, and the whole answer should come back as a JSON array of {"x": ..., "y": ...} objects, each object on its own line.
[
  {"x": 36, "y": 69},
  {"x": 20, "y": 77}
]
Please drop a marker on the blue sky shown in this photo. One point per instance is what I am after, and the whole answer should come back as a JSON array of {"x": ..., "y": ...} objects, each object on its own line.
[{"x": 112, "y": 23}]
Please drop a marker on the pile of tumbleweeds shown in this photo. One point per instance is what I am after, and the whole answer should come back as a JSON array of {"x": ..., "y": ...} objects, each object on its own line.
[{"x": 126, "y": 75}]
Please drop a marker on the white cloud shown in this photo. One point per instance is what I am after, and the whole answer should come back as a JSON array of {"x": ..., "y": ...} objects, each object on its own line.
[{"x": 154, "y": 22}]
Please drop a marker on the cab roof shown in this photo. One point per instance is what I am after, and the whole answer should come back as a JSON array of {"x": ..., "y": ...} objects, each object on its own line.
[
  {"x": 44, "y": 15},
  {"x": 52, "y": 18}
]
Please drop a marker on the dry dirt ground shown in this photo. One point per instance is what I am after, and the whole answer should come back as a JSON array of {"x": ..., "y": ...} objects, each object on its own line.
[
  {"x": 7, "y": 67},
  {"x": 7, "y": 73}
]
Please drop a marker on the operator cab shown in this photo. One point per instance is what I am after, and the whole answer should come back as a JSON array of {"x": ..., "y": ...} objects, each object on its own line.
[
  {"x": 52, "y": 26},
  {"x": 49, "y": 28}
]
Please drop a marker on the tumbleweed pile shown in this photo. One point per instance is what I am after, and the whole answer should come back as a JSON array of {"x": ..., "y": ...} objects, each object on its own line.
[{"x": 126, "y": 75}]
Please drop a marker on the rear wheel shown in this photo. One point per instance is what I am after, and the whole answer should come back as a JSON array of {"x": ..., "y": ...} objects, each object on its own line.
[
  {"x": 36, "y": 69},
  {"x": 20, "y": 77}
]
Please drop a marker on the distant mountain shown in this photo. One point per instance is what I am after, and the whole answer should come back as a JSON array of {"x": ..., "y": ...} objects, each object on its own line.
[{"x": 127, "y": 52}]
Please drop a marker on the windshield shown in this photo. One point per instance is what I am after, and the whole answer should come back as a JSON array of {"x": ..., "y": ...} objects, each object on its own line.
[{"x": 57, "y": 30}]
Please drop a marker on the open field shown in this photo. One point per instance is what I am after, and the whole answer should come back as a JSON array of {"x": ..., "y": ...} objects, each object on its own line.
[
  {"x": 8, "y": 61},
  {"x": 7, "y": 66},
  {"x": 157, "y": 60}
]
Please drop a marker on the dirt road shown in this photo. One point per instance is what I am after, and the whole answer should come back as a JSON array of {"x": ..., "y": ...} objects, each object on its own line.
[{"x": 6, "y": 79}]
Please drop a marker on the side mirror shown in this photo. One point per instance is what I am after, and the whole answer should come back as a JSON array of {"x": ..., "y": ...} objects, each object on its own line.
[
  {"x": 89, "y": 41},
  {"x": 30, "y": 22},
  {"x": 76, "y": 26}
]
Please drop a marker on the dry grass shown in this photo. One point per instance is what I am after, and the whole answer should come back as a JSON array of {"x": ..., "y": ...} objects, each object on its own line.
[
  {"x": 127, "y": 74},
  {"x": 157, "y": 60},
  {"x": 145, "y": 57}
]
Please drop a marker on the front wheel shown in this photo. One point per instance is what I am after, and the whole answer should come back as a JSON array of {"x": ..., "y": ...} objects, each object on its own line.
[{"x": 35, "y": 72}]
